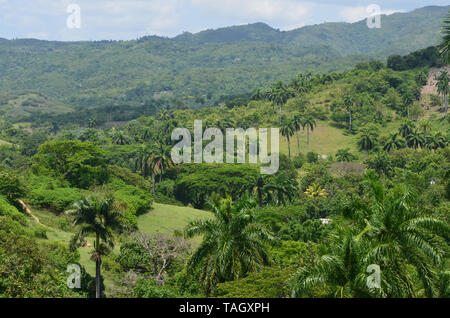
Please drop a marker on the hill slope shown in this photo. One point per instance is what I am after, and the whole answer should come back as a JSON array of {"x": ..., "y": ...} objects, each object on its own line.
[{"x": 206, "y": 65}]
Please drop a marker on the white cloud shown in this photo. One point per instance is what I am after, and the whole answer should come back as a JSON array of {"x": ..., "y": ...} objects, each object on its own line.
[{"x": 288, "y": 13}]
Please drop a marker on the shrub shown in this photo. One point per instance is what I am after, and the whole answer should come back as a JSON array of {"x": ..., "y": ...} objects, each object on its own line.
[
  {"x": 298, "y": 161},
  {"x": 312, "y": 157},
  {"x": 56, "y": 200}
]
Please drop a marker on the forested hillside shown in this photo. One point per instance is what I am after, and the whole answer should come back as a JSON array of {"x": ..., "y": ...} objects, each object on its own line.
[{"x": 204, "y": 68}]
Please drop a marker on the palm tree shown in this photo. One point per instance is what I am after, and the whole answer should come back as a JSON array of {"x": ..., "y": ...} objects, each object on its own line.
[
  {"x": 445, "y": 44},
  {"x": 258, "y": 183},
  {"x": 435, "y": 141},
  {"x": 309, "y": 123},
  {"x": 406, "y": 128},
  {"x": 282, "y": 186},
  {"x": 348, "y": 102},
  {"x": 274, "y": 91},
  {"x": 316, "y": 190},
  {"x": 99, "y": 217},
  {"x": 404, "y": 233},
  {"x": 280, "y": 97},
  {"x": 408, "y": 99},
  {"x": 287, "y": 130},
  {"x": 443, "y": 89},
  {"x": 415, "y": 140},
  {"x": 366, "y": 140},
  {"x": 164, "y": 115},
  {"x": 297, "y": 123},
  {"x": 381, "y": 164},
  {"x": 160, "y": 158},
  {"x": 425, "y": 125},
  {"x": 344, "y": 155},
  {"x": 393, "y": 143},
  {"x": 342, "y": 271},
  {"x": 234, "y": 243}
]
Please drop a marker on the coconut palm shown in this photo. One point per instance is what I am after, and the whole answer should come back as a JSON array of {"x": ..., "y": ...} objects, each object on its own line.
[
  {"x": 96, "y": 216},
  {"x": 234, "y": 243},
  {"x": 287, "y": 130},
  {"x": 366, "y": 140},
  {"x": 393, "y": 143},
  {"x": 404, "y": 234},
  {"x": 309, "y": 123},
  {"x": 297, "y": 123},
  {"x": 415, "y": 140}
]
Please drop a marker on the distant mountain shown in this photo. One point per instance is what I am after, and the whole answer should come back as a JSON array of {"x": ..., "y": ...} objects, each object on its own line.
[
  {"x": 203, "y": 67},
  {"x": 398, "y": 34}
]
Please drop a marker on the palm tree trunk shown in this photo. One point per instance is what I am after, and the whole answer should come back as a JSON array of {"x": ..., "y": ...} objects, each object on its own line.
[
  {"x": 98, "y": 264},
  {"x": 367, "y": 153},
  {"x": 273, "y": 107},
  {"x": 298, "y": 143},
  {"x": 408, "y": 110},
  {"x": 350, "y": 121},
  {"x": 280, "y": 114},
  {"x": 260, "y": 197},
  {"x": 153, "y": 182},
  {"x": 289, "y": 146},
  {"x": 307, "y": 139},
  {"x": 446, "y": 106}
]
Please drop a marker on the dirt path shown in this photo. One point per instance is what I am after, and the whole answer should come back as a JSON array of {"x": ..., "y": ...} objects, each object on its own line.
[{"x": 24, "y": 206}]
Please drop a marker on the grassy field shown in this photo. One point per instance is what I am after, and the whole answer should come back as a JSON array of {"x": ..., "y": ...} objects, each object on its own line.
[
  {"x": 324, "y": 140},
  {"x": 2, "y": 142},
  {"x": 163, "y": 218}
]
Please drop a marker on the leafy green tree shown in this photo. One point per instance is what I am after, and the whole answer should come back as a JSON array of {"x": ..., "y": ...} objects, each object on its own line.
[
  {"x": 100, "y": 217},
  {"x": 381, "y": 163},
  {"x": 233, "y": 245},
  {"x": 11, "y": 186}
]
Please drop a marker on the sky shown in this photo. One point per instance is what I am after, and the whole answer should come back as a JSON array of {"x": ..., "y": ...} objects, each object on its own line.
[{"x": 74, "y": 20}]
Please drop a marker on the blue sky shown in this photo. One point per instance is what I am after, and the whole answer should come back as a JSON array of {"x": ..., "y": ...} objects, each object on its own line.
[{"x": 130, "y": 19}]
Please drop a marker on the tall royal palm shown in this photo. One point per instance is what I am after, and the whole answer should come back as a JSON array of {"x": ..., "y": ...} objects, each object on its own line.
[
  {"x": 408, "y": 99},
  {"x": 297, "y": 122},
  {"x": 415, "y": 140},
  {"x": 348, "y": 102},
  {"x": 366, "y": 141},
  {"x": 309, "y": 123},
  {"x": 160, "y": 159},
  {"x": 287, "y": 130},
  {"x": 393, "y": 143},
  {"x": 444, "y": 46},
  {"x": 406, "y": 128},
  {"x": 435, "y": 141},
  {"x": 443, "y": 88},
  {"x": 97, "y": 216},
  {"x": 426, "y": 126},
  {"x": 234, "y": 243}
]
